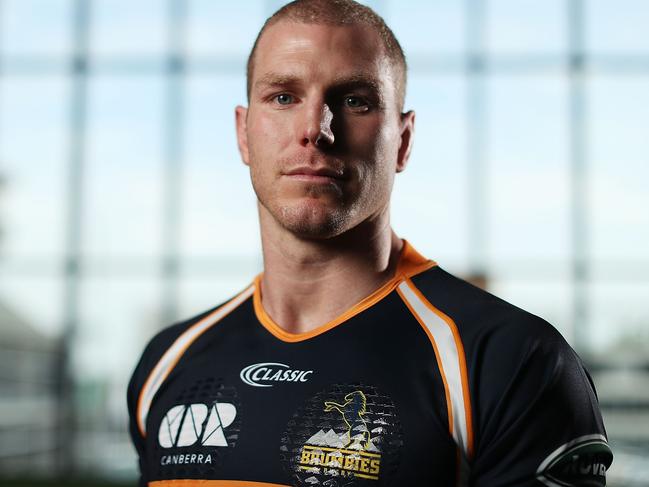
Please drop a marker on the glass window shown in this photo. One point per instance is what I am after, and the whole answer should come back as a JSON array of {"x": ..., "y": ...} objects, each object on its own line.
[
  {"x": 124, "y": 27},
  {"x": 526, "y": 25},
  {"x": 34, "y": 149},
  {"x": 619, "y": 152},
  {"x": 123, "y": 191},
  {"x": 32, "y": 305},
  {"x": 528, "y": 173},
  {"x": 427, "y": 26},
  {"x": 223, "y": 28},
  {"x": 618, "y": 319},
  {"x": 118, "y": 316},
  {"x": 617, "y": 27},
  {"x": 35, "y": 27},
  {"x": 200, "y": 290},
  {"x": 429, "y": 202},
  {"x": 219, "y": 204}
]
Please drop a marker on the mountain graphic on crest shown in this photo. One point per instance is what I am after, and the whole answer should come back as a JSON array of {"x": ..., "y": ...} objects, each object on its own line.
[
  {"x": 333, "y": 440},
  {"x": 330, "y": 439},
  {"x": 358, "y": 443}
]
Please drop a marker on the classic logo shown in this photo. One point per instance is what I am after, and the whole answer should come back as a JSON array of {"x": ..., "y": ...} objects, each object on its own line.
[
  {"x": 186, "y": 425},
  {"x": 258, "y": 375},
  {"x": 583, "y": 461}
]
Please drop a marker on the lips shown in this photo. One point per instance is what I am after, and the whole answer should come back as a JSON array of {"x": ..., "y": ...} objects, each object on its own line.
[{"x": 315, "y": 174}]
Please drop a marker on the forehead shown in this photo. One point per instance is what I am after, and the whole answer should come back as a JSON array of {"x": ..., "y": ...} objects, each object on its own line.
[{"x": 322, "y": 52}]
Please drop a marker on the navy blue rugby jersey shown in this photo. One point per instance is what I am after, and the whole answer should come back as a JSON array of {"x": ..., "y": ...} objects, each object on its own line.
[{"x": 429, "y": 381}]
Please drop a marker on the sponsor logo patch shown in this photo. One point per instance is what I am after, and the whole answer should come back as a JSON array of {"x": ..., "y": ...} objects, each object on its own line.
[
  {"x": 199, "y": 428},
  {"x": 189, "y": 424},
  {"x": 583, "y": 461},
  {"x": 267, "y": 374}
]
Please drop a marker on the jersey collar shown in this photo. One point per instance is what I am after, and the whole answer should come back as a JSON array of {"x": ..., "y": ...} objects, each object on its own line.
[{"x": 410, "y": 263}]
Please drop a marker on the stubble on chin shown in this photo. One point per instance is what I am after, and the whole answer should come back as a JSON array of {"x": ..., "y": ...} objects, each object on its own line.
[
  {"x": 309, "y": 220},
  {"x": 314, "y": 211},
  {"x": 310, "y": 211}
]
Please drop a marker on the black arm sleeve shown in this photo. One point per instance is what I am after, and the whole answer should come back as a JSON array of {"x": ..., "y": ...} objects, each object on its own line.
[
  {"x": 154, "y": 350},
  {"x": 538, "y": 419},
  {"x": 140, "y": 374}
]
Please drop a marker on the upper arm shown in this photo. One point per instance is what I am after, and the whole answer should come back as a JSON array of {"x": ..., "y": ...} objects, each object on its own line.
[
  {"x": 135, "y": 385},
  {"x": 536, "y": 412},
  {"x": 150, "y": 356}
]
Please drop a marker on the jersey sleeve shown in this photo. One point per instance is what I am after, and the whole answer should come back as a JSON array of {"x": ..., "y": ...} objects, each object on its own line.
[
  {"x": 149, "y": 358},
  {"x": 537, "y": 414},
  {"x": 153, "y": 352},
  {"x": 132, "y": 395}
]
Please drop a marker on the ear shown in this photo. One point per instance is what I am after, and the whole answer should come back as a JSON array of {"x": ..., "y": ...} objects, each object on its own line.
[
  {"x": 407, "y": 133},
  {"x": 240, "y": 114}
]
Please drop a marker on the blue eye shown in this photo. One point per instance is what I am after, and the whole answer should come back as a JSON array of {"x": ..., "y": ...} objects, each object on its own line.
[
  {"x": 356, "y": 102},
  {"x": 284, "y": 99}
]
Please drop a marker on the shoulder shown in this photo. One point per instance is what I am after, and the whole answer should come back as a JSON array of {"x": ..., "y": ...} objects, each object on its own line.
[
  {"x": 159, "y": 344},
  {"x": 166, "y": 348},
  {"x": 506, "y": 351},
  {"x": 166, "y": 336},
  {"x": 525, "y": 390},
  {"x": 483, "y": 319},
  {"x": 176, "y": 338},
  {"x": 150, "y": 357}
]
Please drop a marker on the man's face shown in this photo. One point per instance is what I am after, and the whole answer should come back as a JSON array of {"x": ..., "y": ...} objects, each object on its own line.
[{"x": 323, "y": 135}]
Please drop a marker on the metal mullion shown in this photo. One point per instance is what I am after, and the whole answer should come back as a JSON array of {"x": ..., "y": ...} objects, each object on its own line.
[
  {"x": 173, "y": 149},
  {"x": 580, "y": 262},
  {"x": 618, "y": 65},
  {"x": 2, "y": 76},
  {"x": 477, "y": 218},
  {"x": 67, "y": 417}
]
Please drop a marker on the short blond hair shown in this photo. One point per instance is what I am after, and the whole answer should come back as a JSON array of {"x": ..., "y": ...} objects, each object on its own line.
[{"x": 338, "y": 12}]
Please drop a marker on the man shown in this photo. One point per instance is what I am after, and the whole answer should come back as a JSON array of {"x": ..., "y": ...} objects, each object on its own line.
[{"x": 353, "y": 360}]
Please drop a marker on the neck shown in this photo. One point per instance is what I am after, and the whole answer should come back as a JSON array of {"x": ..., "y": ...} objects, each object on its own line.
[{"x": 308, "y": 282}]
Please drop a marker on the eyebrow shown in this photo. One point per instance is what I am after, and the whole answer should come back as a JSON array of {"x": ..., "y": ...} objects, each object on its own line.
[
  {"x": 342, "y": 82},
  {"x": 274, "y": 79}
]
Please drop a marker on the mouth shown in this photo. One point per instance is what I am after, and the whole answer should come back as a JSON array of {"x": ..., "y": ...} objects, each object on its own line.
[{"x": 315, "y": 174}]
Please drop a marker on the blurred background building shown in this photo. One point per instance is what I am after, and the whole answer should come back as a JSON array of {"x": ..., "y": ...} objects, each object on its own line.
[{"x": 124, "y": 205}]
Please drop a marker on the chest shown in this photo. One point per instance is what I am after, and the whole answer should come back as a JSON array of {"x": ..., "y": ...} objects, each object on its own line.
[{"x": 359, "y": 406}]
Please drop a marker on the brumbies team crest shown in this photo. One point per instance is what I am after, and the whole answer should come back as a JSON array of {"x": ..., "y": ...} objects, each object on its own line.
[{"x": 348, "y": 435}]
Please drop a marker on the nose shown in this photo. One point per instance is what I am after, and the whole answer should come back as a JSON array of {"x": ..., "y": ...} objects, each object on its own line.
[{"x": 317, "y": 130}]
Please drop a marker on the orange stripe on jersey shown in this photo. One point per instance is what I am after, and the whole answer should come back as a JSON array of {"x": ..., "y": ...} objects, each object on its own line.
[
  {"x": 211, "y": 483},
  {"x": 410, "y": 263},
  {"x": 173, "y": 354},
  {"x": 286, "y": 336}
]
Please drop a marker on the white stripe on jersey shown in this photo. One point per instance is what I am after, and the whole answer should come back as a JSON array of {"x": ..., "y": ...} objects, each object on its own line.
[{"x": 450, "y": 360}]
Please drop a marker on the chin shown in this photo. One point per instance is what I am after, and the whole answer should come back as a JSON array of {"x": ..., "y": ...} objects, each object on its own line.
[{"x": 313, "y": 220}]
